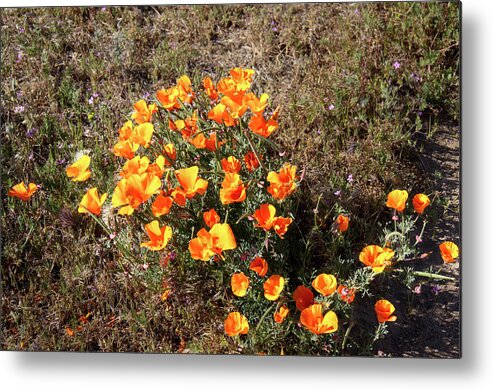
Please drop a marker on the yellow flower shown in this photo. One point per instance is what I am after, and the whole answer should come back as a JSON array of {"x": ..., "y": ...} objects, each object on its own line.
[{"x": 79, "y": 170}]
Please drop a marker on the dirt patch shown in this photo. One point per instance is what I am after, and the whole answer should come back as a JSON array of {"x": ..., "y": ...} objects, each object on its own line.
[{"x": 431, "y": 326}]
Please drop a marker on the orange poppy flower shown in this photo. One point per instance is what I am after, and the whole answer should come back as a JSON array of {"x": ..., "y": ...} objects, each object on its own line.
[
  {"x": 242, "y": 78},
  {"x": 142, "y": 134},
  {"x": 282, "y": 184},
  {"x": 259, "y": 266},
  {"x": 281, "y": 314},
  {"x": 22, "y": 192},
  {"x": 255, "y": 104},
  {"x": 346, "y": 294},
  {"x": 91, "y": 202},
  {"x": 126, "y": 131},
  {"x": 179, "y": 196},
  {"x": 210, "y": 90},
  {"x": 303, "y": 297},
  {"x": 342, "y": 223},
  {"x": 134, "y": 191},
  {"x": 265, "y": 216},
  {"x": 212, "y": 143},
  {"x": 79, "y": 170},
  {"x": 397, "y": 200},
  {"x": 198, "y": 140},
  {"x": 236, "y": 324},
  {"x": 239, "y": 284},
  {"x": 313, "y": 320},
  {"x": 209, "y": 243},
  {"x": 251, "y": 161},
  {"x": 273, "y": 287},
  {"x": 234, "y": 105},
  {"x": 384, "y": 310},
  {"x": 161, "y": 205},
  {"x": 185, "y": 88},
  {"x": 376, "y": 257},
  {"x": 157, "y": 168},
  {"x": 232, "y": 189},
  {"x": 281, "y": 225},
  {"x": 227, "y": 86},
  {"x": 221, "y": 115},
  {"x": 169, "y": 153},
  {"x": 190, "y": 182},
  {"x": 143, "y": 112},
  {"x": 169, "y": 98},
  {"x": 211, "y": 217},
  {"x": 259, "y": 125},
  {"x": 159, "y": 236},
  {"x": 449, "y": 251},
  {"x": 125, "y": 149},
  {"x": 325, "y": 284},
  {"x": 136, "y": 165},
  {"x": 420, "y": 202},
  {"x": 187, "y": 127},
  {"x": 231, "y": 164}
]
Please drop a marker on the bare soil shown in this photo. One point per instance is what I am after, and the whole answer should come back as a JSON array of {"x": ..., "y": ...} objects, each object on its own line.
[{"x": 431, "y": 326}]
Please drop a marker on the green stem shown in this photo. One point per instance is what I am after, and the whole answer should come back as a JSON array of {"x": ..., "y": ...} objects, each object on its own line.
[
  {"x": 254, "y": 150},
  {"x": 316, "y": 212},
  {"x": 388, "y": 236},
  {"x": 427, "y": 274},
  {"x": 420, "y": 234},
  {"x": 346, "y": 335},
  {"x": 118, "y": 244},
  {"x": 263, "y": 317}
]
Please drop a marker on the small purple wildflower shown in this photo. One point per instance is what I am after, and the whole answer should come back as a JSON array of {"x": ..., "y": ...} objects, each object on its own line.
[
  {"x": 19, "y": 56},
  {"x": 31, "y": 157},
  {"x": 395, "y": 217},
  {"x": 103, "y": 9},
  {"x": 415, "y": 77},
  {"x": 319, "y": 132},
  {"x": 18, "y": 109},
  {"x": 91, "y": 101},
  {"x": 61, "y": 161},
  {"x": 417, "y": 289},
  {"x": 418, "y": 239},
  {"x": 396, "y": 65},
  {"x": 146, "y": 95},
  {"x": 331, "y": 107},
  {"x": 31, "y": 132},
  {"x": 274, "y": 29},
  {"x": 436, "y": 289},
  {"x": 420, "y": 113},
  {"x": 21, "y": 30},
  {"x": 337, "y": 193},
  {"x": 350, "y": 178}
]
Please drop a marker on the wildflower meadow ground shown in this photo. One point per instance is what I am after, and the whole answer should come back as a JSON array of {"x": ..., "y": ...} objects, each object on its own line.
[{"x": 241, "y": 179}]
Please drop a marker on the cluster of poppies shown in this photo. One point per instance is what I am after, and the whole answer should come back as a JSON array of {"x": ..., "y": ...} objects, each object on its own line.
[
  {"x": 397, "y": 200},
  {"x": 313, "y": 315},
  {"x": 179, "y": 130}
]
